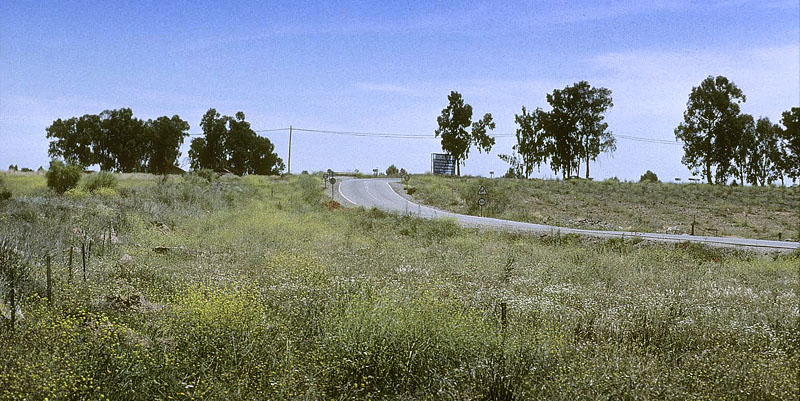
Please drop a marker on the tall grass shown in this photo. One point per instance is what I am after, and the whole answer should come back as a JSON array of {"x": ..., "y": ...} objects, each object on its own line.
[{"x": 250, "y": 289}]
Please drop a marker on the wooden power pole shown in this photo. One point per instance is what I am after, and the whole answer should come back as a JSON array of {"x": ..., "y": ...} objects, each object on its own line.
[{"x": 289, "y": 162}]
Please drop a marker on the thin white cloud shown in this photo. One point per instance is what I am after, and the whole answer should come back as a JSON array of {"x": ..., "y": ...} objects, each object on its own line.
[
  {"x": 658, "y": 83},
  {"x": 476, "y": 19},
  {"x": 383, "y": 87}
]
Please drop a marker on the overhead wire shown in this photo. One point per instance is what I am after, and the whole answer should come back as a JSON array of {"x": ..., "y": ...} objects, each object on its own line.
[{"x": 364, "y": 134}]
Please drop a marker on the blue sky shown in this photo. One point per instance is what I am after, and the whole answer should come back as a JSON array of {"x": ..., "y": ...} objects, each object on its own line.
[{"x": 388, "y": 67}]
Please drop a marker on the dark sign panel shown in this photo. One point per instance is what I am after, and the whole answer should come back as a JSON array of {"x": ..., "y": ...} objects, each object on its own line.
[{"x": 443, "y": 164}]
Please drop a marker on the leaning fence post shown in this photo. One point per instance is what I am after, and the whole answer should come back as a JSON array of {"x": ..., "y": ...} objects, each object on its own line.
[{"x": 83, "y": 257}]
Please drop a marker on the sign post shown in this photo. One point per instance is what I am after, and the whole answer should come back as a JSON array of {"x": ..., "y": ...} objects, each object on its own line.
[
  {"x": 482, "y": 198},
  {"x": 325, "y": 180},
  {"x": 407, "y": 177},
  {"x": 332, "y": 181}
]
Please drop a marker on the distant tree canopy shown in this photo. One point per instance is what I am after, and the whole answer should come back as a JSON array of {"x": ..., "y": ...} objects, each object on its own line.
[
  {"x": 392, "y": 170},
  {"x": 230, "y": 145},
  {"x": 720, "y": 142},
  {"x": 649, "y": 176},
  {"x": 571, "y": 133},
  {"x": 115, "y": 140},
  {"x": 453, "y": 124}
]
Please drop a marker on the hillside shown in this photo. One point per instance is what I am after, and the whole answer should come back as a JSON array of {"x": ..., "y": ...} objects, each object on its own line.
[
  {"x": 747, "y": 212},
  {"x": 257, "y": 288}
]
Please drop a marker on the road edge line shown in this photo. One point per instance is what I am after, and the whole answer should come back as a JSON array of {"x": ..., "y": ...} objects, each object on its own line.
[{"x": 339, "y": 190}]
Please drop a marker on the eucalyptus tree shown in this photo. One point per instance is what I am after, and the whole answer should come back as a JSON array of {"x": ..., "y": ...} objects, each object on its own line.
[
  {"x": 573, "y": 131},
  {"x": 454, "y": 121},
  {"x": 711, "y": 128},
  {"x": 532, "y": 147},
  {"x": 790, "y": 141},
  {"x": 229, "y": 144},
  {"x": 116, "y": 140}
]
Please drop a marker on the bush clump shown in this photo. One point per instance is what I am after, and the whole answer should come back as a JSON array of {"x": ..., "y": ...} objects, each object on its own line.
[
  {"x": 4, "y": 192},
  {"x": 649, "y": 176},
  {"x": 100, "y": 180},
  {"x": 310, "y": 189},
  {"x": 206, "y": 174},
  {"x": 63, "y": 177},
  {"x": 76, "y": 193}
]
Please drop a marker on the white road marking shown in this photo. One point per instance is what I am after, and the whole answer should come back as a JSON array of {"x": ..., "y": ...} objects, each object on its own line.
[
  {"x": 339, "y": 189},
  {"x": 389, "y": 202}
]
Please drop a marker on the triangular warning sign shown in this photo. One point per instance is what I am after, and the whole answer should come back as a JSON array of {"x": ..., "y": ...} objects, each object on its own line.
[{"x": 482, "y": 191}]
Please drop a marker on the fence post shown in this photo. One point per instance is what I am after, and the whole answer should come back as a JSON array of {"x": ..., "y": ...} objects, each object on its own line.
[
  {"x": 13, "y": 296},
  {"x": 83, "y": 257},
  {"x": 71, "y": 247},
  {"x": 49, "y": 281}
]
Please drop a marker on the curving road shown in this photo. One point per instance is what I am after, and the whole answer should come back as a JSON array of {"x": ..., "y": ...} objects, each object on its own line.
[{"x": 377, "y": 192}]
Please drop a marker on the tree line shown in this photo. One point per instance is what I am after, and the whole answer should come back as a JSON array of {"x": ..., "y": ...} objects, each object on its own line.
[
  {"x": 719, "y": 141},
  {"x": 115, "y": 140},
  {"x": 572, "y": 133}
]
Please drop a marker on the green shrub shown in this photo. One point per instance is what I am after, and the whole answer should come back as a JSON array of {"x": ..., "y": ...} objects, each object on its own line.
[
  {"x": 205, "y": 173},
  {"x": 649, "y": 176},
  {"x": 100, "y": 180},
  {"x": 4, "y": 192},
  {"x": 62, "y": 177},
  {"x": 76, "y": 193},
  {"x": 105, "y": 191},
  {"x": 310, "y": 188}
]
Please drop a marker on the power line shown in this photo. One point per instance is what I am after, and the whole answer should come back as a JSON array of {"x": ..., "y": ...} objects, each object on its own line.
[
  {"x": 650, "y": 140},
  {"x": 256, "y": 130},
  {"x": 364, "y": 134}
]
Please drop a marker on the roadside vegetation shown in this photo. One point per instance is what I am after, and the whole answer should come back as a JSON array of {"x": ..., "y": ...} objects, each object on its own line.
[
  {"x": 745, "y": 211},
  {"x": 254, "y": 288}
]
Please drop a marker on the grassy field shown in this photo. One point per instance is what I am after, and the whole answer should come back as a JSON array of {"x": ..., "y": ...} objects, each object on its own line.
[
  {"x": 255, "y": 288},
  {"x": 748, "y": 212}
]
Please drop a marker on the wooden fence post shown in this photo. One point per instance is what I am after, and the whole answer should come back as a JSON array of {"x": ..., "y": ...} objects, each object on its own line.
[
  {"x": 71, "y": 247},
  {"x": 49, "y": 281},
  {"x": 83, "y": 257}
]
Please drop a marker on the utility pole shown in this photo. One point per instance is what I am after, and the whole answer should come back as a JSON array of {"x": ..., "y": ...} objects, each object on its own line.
[{"x": 289, "y": 162}]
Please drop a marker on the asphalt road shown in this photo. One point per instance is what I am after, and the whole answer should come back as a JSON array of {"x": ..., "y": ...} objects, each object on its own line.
[{"x": 377, "y": 192}]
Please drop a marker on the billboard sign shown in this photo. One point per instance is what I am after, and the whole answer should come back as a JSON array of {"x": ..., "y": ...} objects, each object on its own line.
[{"x": 443, "y": 164}]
